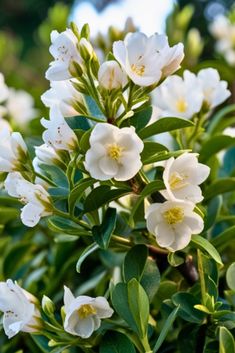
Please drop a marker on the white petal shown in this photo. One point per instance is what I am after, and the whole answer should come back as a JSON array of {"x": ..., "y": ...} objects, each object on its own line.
[{"x": 31, "y": 214}]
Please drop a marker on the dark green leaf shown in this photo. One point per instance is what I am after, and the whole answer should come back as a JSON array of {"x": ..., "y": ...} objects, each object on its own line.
[
  {"x": 150, "y": 149},
  {"x": 186, "y": 301},
  {"x": 213, "y": 210},
  {"x": 223, "y": 240},
  {"x": 134, "y": 262},
  {"x": 89, "y": 250},
  {"x": 102, "y": 233},
  {"x": 226, "y": 341},
  {"x": 214, "y": 145},
  {"x": 101, "y": 196},
  {"x": 64, "y": 225},
  {"x": 116, "y": 342},
  {"x": 164, "y": 125},
  {"x": 77, "y": 192},
  {"x": 140, "y": 119},
  {"x": 151, "y": 278},
  {"x": 218, "y": 187},
  {"x": 166, "y": 328}
]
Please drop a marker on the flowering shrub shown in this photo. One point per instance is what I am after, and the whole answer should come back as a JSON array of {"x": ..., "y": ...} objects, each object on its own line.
[{"x": 153, "y": 220}]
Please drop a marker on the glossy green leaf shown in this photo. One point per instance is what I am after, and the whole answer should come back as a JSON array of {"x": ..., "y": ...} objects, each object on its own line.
[
  {"x": 78, "y": 191},
  {"x": 116, "y": 342},
  {"x": 224, "y": 239},
  {"x": 205, "y": 245},
  {"x": 102, "y": 233},
  {"x": 166, "y": 328},
  {"x": 140, "y": 119},
  {"x": 214, "y": 145},
  {"x": 226, "y": 341},
  {"x": 89, "y": 250},
  {"x": 219, "y": 187},
  {"x": 230, "y": 276},
  {"x": 213, "y": 210},
  {"x": 102, "y": 195},
  {"x": 134, "y": 263},
  {"x": 151, "y": 278},
  {"x": 164, "y": 125},
  {"x": 139, "y": 305},
  {"x": 64, "y": 225},
  {"x": 150, "y": 149},
  {"x": 187, "y": 301}
]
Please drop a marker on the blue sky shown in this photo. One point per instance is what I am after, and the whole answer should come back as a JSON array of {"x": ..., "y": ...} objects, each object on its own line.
[{"x": 148, "y": 15}]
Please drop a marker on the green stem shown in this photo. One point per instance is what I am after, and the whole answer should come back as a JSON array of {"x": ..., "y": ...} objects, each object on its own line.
[
  {"x": 43, "y": 177},
  {"x": 146, "y": 345},
  {"x": 201, "y": 276},
  {"x": 74, "y": 219}
]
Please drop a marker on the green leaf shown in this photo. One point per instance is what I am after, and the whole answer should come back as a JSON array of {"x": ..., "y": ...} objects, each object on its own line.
[
  {"x": 102, "y": 233},
  {"x": 121, "y": 305},
  {"x": 55, "y": 174},
  {"x": 78, "y": 122},
  {"x": 214, "y": 145},
  {"x": 230, "y": 276},
  {"x": 213, "y": 210},
  {"x": 140, "y": 119},
  {"x": 166, "y": 328},
  {"x": 89, "y": 250},
  {"x": 116, "y": 342},
  {"x": 151, "y": 278},
  {"x": 8, "y": 214},
  {"x": 150, "y": 149},
  {"x": 77, "y": 192},
  {"x": 101, "y": 196},
  {"x": 224, "y": 239},
  {"x": 205, "y": 245},
  {"x": 64, "y": 225},
  {"x": 187, "y": 311},
  {"x": 215, "y": 121},
  {"x": 226, "y": 341},
  {"x": 139, "y": 305},
  {"x": 134, "y": 263},
  {"x": 93, "y": 108},
  {"x": 164, "y": 125},
  {"x": 218, "y": 187}
]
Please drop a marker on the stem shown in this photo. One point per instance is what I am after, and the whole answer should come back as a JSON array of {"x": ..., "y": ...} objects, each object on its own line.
[
  {"x": 201, "y": 276},
  {"x": 74, "y": 219},
  {"x": 41, "y": 176},
  {"x": 146, "y": 345}
]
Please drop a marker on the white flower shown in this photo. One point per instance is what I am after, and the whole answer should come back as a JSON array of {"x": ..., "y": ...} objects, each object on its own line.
[
  {"x": 63, "y": 94},
  {"x": 35, "y": 197},
  {"x": 224, "y": 31},
  {"x": 147, "y": 59},
  {"x": 214, "y": 90},
  {"x": 47, "y": 155},
  {"x": 114, "y": 153},
  {"x": 64, "y": 50},
  {"x": 58, "y": 134},
  {"x": 179, "y": 97},
  {"x": 111, "y": 76},
  {"x": 182, "y": 175},
  {"x": 4, "y": 125},
  {"x": 84, "y": 314},
  {"x": 20, "y": 313},
  {"x": 4, "y": 91},
  {"x": 20, "y": 106},
  {"x": 13, "y": 151},
  {"x": 173, "y": 223}
]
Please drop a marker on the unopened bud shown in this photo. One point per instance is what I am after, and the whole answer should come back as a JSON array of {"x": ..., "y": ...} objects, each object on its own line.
[
  {"x": 75, "y": 69},
  {"x": 85, "y": 49},
  {"x": 85, "y": 32},
  {"x": 75, "y": 30},
  {"x": 110, "y": 75},
  {"x": 194, "y": 43},
  {"x": 48, "y": 306}
]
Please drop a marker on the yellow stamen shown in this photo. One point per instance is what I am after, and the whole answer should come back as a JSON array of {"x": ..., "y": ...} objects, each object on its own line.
[
  {"x": 115, "y": 151},
  {"x": 177, "y": 181},
  {"x": 181, "y": 105},
  {"x": 86, "y": 310},
  {"x": 174, "y": 215},
  {"x": 138, "y": 70}
]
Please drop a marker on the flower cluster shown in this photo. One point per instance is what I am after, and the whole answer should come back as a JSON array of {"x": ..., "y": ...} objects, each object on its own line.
[
  {"x": 174, "y": 221},
  {"x": 22, "y": 311},
  {"x": 224, "y": 31},
  {"x": 187, "y": 96},
  {"x": 15, "y": 105}
]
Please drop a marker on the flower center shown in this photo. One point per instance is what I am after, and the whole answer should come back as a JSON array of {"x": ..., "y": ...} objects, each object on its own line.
[
  {"x": 177, "y": 181},
  {"x": 86, "y": 310},
  {"x": 181, "y": 105},
  {"x": 138, "y": 70},
  {"x": 115, "y": 151},
  {"x": 174, "y": 215}
]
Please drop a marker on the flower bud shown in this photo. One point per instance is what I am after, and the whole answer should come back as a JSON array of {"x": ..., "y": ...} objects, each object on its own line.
[
  {"x": 110, "y": 75},
  {"x": 85, "y": 32},
  {"x": 48, "y": 306},
  {"x": 85, "y": 49},
  {"x": 75, "y": 69}
]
